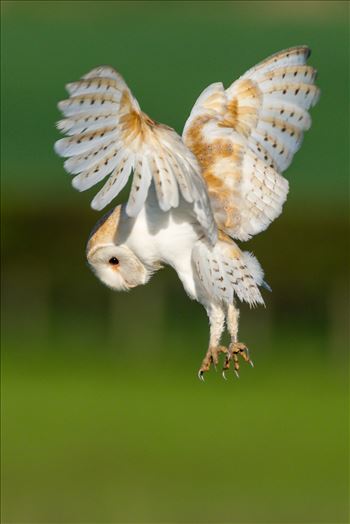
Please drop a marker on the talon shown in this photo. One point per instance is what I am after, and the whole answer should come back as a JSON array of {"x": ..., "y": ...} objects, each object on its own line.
[
  {"x": 227, "y": 363},
  {"x": 238, "y": 349},
  {"x": 201, "y": 375},
  {"x": 231, "y": 354},
  {"x": 211, "y": 359}
]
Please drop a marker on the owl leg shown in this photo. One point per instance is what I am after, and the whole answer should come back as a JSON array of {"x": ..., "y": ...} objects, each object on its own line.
[
  {"x": 236, "y": 348},
  {"x": 217, "y": 324}
]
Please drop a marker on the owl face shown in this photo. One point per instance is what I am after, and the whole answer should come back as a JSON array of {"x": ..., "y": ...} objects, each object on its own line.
[
  {"x": 114, "y": 263},
  {"x": 117, "y": 266}
]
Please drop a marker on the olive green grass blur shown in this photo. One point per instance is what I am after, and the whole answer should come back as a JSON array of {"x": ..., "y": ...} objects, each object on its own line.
[{"x": 103, "y": 417}]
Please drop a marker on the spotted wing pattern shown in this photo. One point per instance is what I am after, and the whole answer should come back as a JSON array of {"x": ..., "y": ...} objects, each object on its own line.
[
  {"x": 245, "y": 137},
  {"x": 108, "y": 136}
]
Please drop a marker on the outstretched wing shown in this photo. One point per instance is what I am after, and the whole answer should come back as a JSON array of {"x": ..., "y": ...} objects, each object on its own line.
[
  {"x": 244, "y": 137},
  {"x": 109, "y": 136}
]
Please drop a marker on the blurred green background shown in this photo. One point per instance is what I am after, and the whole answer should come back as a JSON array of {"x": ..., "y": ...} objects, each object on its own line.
[{"x": 103, "y": 417}]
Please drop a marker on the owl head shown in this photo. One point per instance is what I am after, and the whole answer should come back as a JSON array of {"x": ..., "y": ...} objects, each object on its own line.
[{"x": 113, "y": 262}]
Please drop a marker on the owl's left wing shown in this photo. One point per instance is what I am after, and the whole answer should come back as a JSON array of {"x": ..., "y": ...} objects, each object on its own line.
[
  {"x": 109, "y": 135},
  {"x": 245, "y": 137}
]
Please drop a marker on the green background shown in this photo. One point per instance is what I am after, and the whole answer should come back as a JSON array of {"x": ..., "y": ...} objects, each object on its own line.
[{"x": 103, "y": 417}]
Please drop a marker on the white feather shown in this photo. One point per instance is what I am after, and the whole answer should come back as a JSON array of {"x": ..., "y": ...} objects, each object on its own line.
[
  {"x": 139, "y": 189},
  {"x": 92, "y": 176},
  {"x": 94, "y": 104},
  {"x": 114, "y": 184},
  {"x": 79, "y": 163},
  {"x": 84, "y": 143}
]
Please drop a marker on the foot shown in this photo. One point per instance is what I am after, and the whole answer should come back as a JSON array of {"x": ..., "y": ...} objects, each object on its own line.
[
  {"x": 211, "y": 357},
  {"x": 235, "y": 350}
]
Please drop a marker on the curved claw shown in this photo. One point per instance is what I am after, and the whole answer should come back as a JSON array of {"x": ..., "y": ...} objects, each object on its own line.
[
  {"x": 201, "y": 375},
  {"x": 232, "y": 354}
]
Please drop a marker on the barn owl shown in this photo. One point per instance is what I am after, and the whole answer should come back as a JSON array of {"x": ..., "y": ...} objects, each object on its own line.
[{"x": 191, "y": 197}]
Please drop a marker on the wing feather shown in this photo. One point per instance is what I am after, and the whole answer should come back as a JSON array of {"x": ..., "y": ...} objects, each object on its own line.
[
  {"x": 292, "y": 56},
  {"x": 107, "y": 135},
  {"x": 80, "y": 163},
  {"x": 84, "y": 122},
  {"x": 82, "y": 143},
  {"x": 114, "y": 184},
  {"x": 99, "y": 171},
  {"x": 93, "y": 103},
  {"x": 246, "y": 137},
  {"x": 140, "y": 185}
]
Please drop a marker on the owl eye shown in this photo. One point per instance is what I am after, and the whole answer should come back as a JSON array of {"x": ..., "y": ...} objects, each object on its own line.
[{"x": 114, "y": 261}]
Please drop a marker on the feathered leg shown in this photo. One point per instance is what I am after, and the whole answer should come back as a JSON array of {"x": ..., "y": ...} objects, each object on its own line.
[
  {"x": 236, "y": 348},
  {"x": 232, "y": 322},
  {"x": 216, "y": 316}
]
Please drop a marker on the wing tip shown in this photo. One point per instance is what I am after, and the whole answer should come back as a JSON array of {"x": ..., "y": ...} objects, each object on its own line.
[
  {"x": 63, "y": 125},
  {"x": 76, "y": 183},
  {"x": 304, "y": 48},
  {"x": 59, "y": 147},
  {"x": 308, "y": 51},
  {"x": 96, "y": 205},
  {"x": 61, "y": 105},
  {"x": 316, "y": 97},
  {"x": 105, "y": 70}
]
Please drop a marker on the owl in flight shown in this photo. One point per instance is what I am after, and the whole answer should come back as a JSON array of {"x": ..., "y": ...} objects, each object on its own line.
[{"x": 191, "y": 197}]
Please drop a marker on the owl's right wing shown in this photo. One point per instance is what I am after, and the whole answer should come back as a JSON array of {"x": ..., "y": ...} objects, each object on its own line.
[
  {"x": 109, "y": 136},
  {"x": 245, "y": 137}
]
